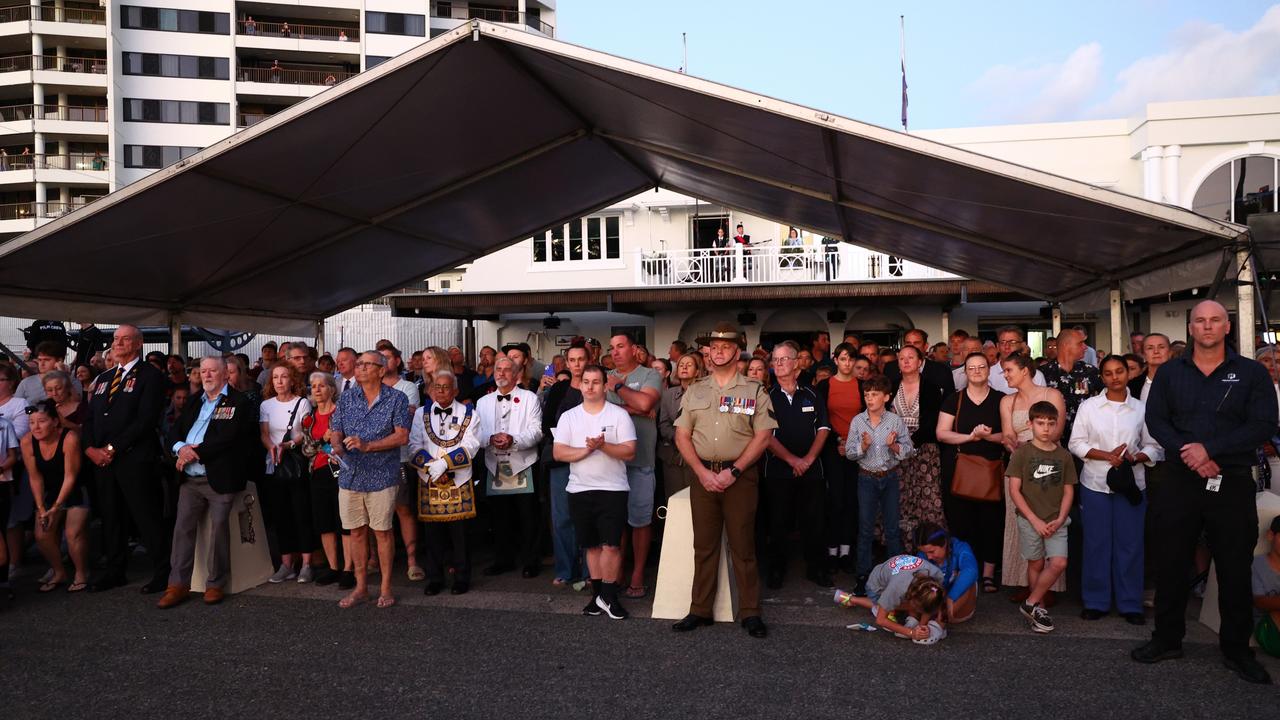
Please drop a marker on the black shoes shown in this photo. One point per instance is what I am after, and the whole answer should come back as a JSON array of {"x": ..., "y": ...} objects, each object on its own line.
[
  {"x": 848, "y": 564},
  {"x": 498, "y": 569},
  {"x": 530, "y": 571},
  {"x": 460, "y": 587},
  {"x": 612, "y": 608},
  {"x": 692, "y": 622},
  {"x": 104, "y": 584},
  {"x": 592, "y": 609},
  {"x": 1134, "y": 618},
  {"x": 346, "y": 580},
  {"x": 433, "y": 587},
  {"x": 1248, "y": 668},
  {"x": 1156, "y": 651},
  {"x": 156, "y": 585},
  {"x": 326, "y": 576},
  {"x": 755, "y": 627},
  {"x": 860, "y": 588},
  {"x": 820, "y": 578},
  {"x": 1091, "y": 614}
]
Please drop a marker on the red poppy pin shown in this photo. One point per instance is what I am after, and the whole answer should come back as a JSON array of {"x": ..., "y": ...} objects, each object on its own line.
[{"x": 515, "y": 400}]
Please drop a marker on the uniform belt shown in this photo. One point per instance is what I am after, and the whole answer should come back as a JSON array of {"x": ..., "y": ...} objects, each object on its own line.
[{"x": 717, "y": 465}]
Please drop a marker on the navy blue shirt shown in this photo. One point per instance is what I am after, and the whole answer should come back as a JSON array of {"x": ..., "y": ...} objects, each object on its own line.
[
  {"x": 1231, "y": 411},
  {"x": 799, "y": 417}
]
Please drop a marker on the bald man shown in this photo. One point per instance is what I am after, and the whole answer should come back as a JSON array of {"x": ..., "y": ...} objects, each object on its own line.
[
  {"x": 120, "y": 441},
  {"x": 1210, "y": 409}
]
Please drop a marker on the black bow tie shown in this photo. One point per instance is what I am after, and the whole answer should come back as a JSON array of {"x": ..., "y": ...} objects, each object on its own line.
[
  {"x": 441, "y": 411},
  {"x": 504, "y": 398}
]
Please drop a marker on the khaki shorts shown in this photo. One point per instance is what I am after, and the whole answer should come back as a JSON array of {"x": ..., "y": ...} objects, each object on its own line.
[
  {"x": 1034, "y": 547},
  {"x": 375, "y": 509}
]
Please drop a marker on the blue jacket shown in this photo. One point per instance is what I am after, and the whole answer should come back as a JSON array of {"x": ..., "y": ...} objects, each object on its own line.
[{"x": 959, "y": 570}]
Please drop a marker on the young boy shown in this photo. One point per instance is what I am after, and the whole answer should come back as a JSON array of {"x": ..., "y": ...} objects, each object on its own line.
[
  {"x": 1266, "y": 593},
  {"x": 1041, "y": 475},
  {"x": 878, "y": 440}
]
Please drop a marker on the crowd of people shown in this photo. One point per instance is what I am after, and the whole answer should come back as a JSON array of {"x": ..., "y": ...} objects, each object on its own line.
[{"x": 929, "y": 476}]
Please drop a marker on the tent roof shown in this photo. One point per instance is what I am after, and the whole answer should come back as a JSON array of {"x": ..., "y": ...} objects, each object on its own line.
[{"x": 487, "y": 135}]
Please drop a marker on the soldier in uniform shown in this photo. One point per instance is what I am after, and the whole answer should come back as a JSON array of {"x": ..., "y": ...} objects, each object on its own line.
[{"x": 725, "y": 423}]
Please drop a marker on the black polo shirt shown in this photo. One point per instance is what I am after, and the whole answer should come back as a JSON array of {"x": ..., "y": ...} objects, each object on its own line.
[
  {"x": 799, "y": 417},
  {"x": 1231, "y": 411}
]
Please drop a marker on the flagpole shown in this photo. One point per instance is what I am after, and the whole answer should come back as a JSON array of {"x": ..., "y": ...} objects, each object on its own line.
[{"x": 902, "y": 54}]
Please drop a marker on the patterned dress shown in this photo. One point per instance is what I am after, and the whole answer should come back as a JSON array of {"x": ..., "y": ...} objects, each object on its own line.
[{"x": 921, "y": 498}]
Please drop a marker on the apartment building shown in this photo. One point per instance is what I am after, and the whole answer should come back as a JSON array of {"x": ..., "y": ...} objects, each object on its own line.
[{"x": 96, "y": 95}]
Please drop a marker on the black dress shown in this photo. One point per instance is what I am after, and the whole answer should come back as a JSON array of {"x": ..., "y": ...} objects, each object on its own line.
[
  {"x": 981, "y": 524},
  {"x": 54, "y": 471}
]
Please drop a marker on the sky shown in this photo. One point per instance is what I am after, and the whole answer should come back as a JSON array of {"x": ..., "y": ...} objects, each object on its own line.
[{"x": 968, "y": 63}]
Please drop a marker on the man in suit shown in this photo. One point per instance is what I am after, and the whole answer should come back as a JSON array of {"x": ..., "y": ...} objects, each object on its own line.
[
  {"x": 510, "y": 433},
  {"x": 217, "y": 445},
  {"x": 934, "y": 372},
  {"x": 120, "y": 440}
]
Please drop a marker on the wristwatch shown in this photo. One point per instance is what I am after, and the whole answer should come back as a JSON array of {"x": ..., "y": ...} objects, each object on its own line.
[{"x": 735, "y": 471}]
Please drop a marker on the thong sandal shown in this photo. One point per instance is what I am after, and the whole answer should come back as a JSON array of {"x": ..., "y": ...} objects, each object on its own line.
[
  {"x": 416, "y": 573},
  {"x": 51, "y": 585},
  {"x": 351, "y": 601},
  {"x": 989, "y": 585},
  {"x": 76, "y": 587},
  {"x": 386, "y": 601},
  {"x": 636, "y": 592}
]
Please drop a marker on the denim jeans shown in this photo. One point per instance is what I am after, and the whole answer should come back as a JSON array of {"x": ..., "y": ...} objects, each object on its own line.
[
  {"x": 878, "y": 494},
  {"x": 568, "y": 557}
]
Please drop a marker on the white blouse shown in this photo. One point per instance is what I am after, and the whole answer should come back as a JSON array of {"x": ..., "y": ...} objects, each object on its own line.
[{"x": 1105, "y": 424}]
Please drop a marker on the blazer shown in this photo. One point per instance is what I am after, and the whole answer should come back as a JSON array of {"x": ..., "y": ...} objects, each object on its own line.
[
  {"x": 129, "y": 421},
  {"x": 524, "y": 424},
  {"x": 231, "y": 451}
]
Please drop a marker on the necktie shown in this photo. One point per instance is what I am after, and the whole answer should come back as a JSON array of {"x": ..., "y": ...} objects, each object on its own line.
[
  {"x": 504, "y": 398},
  {"x": 115, "y": 383},
  {"x": 346, "y": 385}
]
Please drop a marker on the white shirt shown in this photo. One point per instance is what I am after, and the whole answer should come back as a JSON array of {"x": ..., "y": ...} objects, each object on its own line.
[
  {"x": 346, "y": 383},
  {"x": 1104, "y": 424},
  {"x": 596, "y": 471},
  {"x": 275, "y": 414},
  {"x": 15, "y": 411}
]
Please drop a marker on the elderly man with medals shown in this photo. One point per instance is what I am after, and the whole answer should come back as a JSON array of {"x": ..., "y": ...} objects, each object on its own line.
[
  {"x": 510, "y": 433},
  {"x": 444, "y": 438}
]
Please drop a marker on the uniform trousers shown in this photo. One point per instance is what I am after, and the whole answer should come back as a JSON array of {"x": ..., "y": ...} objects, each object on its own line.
[
  {"x": 130, "y": 489},
  {"x": 732, "y": 513},
  {"x": 447, "y": 547},
  {"x": 194, "y": 497},
  {"x": 1181, "y": 507}
]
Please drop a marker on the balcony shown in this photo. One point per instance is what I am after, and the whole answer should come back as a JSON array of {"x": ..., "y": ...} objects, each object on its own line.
[
  {"x": 497, "y": 15},
  {"x": 777, "y": 266},
  {"x": 71, "y": 113},
  {"x": 38, "y": 210},
  {"x": 78, "y": 16},
  {"x": 286, "y": 76},
  {"x": 79, "y": 162},
  {"x": 18, "y": 63},
  {"x": 245, "y": 120},
  {"x": 291, "y": 31}
]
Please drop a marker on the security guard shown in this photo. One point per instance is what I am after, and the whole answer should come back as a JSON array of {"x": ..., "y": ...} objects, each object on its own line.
[{"x": 725, "y": 423}]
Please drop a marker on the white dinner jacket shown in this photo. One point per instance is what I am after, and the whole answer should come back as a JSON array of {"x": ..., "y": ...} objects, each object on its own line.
[{"x": 524, "y": 424}]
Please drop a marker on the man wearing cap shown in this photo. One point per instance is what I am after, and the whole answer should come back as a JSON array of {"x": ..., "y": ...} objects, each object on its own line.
[{"x": 725, "y": 423}]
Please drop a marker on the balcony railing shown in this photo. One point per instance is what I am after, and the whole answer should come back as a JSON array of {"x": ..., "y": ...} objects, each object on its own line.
[
  {"x": 245, "y": 120},
  {"x": 298, "y": 32},
  {"x": 31, "y": 210},
  {"x": 70, "y": 161},
  {"x": 80, "y": 16},
  {"x": 777, "y": 265},
  {"x": 498, "y": 15},
  {"x": 76, "y": 113},
  {"x": 16, "y": 63},
  {"x": 286, "y": 76}
]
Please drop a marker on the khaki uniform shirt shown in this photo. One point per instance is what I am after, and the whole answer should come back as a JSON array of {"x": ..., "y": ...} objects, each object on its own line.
[{"x": 724, "y": 420}]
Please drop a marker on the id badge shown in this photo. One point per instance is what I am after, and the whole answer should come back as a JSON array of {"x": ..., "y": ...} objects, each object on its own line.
[{"x": 1214, "y": 484}]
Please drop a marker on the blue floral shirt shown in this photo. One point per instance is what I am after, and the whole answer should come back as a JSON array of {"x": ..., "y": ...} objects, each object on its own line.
[{"x": 370, "y": 471}]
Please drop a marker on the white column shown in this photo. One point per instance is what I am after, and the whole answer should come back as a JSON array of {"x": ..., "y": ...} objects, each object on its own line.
[
  {"x": 1117, "y": 317},
  {"x": 320, "y": 337},
  {"x": 175, "y": 336},
  {"x": 1057, "y": 320},
  {"x": 1172, "y": 154},
  {"x": 946, "y": 326},
  {"x": 1151, "y": 172},
  {"x": 1244, "y": 304}
]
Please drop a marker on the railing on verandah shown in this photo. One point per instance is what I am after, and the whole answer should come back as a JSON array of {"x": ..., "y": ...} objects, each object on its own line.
[{"x": 770, "y": 264}]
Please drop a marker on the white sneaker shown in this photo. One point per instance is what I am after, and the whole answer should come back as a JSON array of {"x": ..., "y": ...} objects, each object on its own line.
[
  {"x": 306, "y": 575},
  {"x": 283, "y": 574}
]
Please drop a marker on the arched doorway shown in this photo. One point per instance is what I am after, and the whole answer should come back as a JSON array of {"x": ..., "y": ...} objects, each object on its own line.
[
  {"x": 880, "y": 323},
  {"x": 1239, "y": 188},
  {"x": 799, "y": 325}
]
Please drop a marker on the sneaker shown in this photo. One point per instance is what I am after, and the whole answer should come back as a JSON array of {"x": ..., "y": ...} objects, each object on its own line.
[
  {"x": 613, "y": 609},
  {"x": 284, "y": 573},
  {"x": 592, "y": 608},
  {"x": 306, "y": 575},
  {"x": 1039, "y": 617}
]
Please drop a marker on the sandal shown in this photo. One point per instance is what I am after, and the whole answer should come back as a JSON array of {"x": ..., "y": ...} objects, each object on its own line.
[
  {"x": 635, "y": 592},
  {"x": 352, "y": 600},
  {"x": 989, "y": 585},
  {"x": 386, "y": 601},
  {"x": 559, "y": 582},
  {"x": 416, "y": 573},
  {"x": 76, "y": 587},
  {"x": 51, "y": 585}
]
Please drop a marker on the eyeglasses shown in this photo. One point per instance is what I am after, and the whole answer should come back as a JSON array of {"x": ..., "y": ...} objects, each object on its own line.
[
  {"x": 1008, "y": 343},
  {"x": 365, "y": 363},
  {"x": 441, "y": 387},
  {"x": 784, "y": 359}
]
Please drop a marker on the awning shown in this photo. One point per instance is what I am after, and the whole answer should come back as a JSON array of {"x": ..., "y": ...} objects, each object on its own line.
[{"x": 487, "y": 135}]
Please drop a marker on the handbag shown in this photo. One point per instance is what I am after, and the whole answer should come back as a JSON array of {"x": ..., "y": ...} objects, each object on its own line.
[
  {"x": 975, "y": 477},
  {"x": 292, "y": 465}
]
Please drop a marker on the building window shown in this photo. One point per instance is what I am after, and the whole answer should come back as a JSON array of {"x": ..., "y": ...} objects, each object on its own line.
[
  {"x": 176, "y": 66},
  {"x": 551, "y": 246},
  {"x": 169, "y": 20},
  {"x": 185, "y": 112},
  {"x": 154, "y": 157},
  {"x": 395, "y": 24},
  {"x": 1240, "y": 188},
  {"x": 373, "y": 61}
]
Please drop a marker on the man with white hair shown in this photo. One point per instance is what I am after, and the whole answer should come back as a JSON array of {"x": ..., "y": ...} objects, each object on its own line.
[{"x": 510, "y": 433}]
